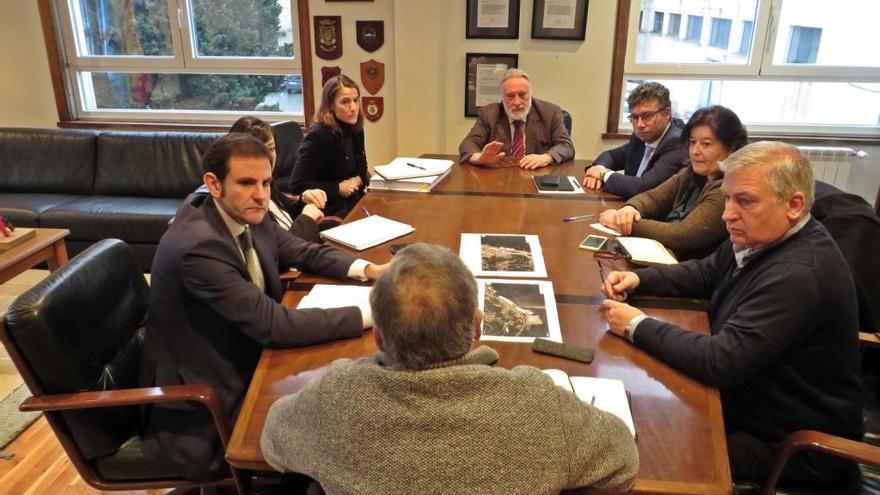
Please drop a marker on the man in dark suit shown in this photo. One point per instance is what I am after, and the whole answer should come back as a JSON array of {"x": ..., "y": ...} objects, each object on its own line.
[
  {"x": 521, "y": 128},
  {"x": 654, "y": 152},
  {"x": 215, "y": 301}
]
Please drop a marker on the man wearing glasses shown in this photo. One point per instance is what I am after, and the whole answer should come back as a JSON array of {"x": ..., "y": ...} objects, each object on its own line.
[{"x": 654, "y": 152}]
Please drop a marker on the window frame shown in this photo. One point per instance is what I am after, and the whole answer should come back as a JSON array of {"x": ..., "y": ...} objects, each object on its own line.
[
  {"x": 65, "y": 68},
  {"x": 765, "y": 29}
]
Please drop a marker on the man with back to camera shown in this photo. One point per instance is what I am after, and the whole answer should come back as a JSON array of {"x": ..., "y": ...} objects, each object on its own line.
[
  {"x": 654, "y": 152},
  {"x": 783, "y": 346},
  {"x": 215, "y": 301},
  {"x": 430, "y": 415},
  {"x": 520, "y": 127}
]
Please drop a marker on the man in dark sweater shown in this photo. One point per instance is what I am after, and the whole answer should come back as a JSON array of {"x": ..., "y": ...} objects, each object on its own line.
[{"x": 783, "y": 347}]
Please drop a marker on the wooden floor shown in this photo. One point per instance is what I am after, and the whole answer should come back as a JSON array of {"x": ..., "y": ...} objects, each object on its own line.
[{"x": 40, "y": 467}]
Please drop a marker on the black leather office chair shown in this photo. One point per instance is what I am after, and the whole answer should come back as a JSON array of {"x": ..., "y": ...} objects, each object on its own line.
[
  {"x": 76, "y": 339},
  {"x": 288, "y": 136},
  {"x": 566, "y": 121}
]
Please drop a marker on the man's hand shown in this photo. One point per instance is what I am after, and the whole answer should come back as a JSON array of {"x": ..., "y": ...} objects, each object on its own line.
[
  {"x": 593, "y": 178},
  {"x": 622, "y": 220},
  {"x": 618, "y": 285},
  {"x": 374, "y": 271},
  {"x": 349, "y": 186},
  {"x": 315, "y": 197},
  {"x": 618, "y": 315},
  {"x": 491, "y": 153},
  {"x": 531, "y": 162},
  {"x": 313, "y": 212}
]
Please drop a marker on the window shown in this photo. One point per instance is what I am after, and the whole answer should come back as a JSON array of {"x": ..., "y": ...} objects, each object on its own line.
[
  {"x": 745, "y": 42},
  {"x": 719, "y": 36},
  {"x": 674, "y": 25},
  {"x": 694, "y": 28},
  {"x": 182, "y": 60},
  {"x": 804, "y": 45},
  {"x": 642, "y": 20},
  {"x": 816, "y": 72},
  {"x": 658, "y": 23}
]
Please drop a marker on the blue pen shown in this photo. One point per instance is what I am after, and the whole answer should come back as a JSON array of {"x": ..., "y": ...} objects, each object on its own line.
[
  {"x": 578, "y": 218},
  {"x": 366, "y": 211},
  {"x": 416, "y": 166}
]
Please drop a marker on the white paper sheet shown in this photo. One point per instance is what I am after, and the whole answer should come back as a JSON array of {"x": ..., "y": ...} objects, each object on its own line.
[
  {"x": 518, "y": 310},
  {"x": 503, "y": 255}
]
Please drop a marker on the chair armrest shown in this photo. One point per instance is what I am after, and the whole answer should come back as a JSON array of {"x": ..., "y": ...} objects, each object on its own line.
[
  {"x": 822, "y": 442},
  {"x": 202, "y": 394}
]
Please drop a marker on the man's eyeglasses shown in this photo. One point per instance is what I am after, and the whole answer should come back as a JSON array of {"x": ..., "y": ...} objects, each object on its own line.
[{"x": 635, "y": 117}]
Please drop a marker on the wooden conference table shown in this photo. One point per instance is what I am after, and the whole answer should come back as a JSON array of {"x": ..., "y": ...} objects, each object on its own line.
[{"x": 679, "y": 426}]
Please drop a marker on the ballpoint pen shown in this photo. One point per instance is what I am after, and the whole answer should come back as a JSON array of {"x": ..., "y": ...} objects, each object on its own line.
[
  {"x": 366, "y": 211},
  {"x": 577, "y": 218},
  {"x": 416, "y": 166}
]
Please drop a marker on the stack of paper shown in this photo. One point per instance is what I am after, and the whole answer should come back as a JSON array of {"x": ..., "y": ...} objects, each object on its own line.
[
  {"x": 336, "y": 296},
  {"x": 416, "y": 184},
  {"x": 367, "y": 232},
  {"x": 408, "y": 168}
]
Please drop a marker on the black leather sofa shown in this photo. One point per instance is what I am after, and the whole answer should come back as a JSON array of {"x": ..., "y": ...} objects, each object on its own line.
[{"x": 99, "y": 184}]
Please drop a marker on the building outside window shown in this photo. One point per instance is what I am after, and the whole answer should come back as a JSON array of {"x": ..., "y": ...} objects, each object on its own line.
[
  {"x": 748, "y": 28},
  {"x": 804, "y": 45},
  {"x": 658, "y": 23}
]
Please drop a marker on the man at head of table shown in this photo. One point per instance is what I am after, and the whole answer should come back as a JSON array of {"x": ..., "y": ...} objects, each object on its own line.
[
  {"x": 783, "y": 344},
  {"x": 520, "y": 128},
  {"x": 429, "y": 414}
]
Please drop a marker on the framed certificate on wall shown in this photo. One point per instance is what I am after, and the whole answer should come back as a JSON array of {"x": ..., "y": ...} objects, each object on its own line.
[
  {"x": 483, "y": 72},
  {"x": 492, "y": 19},
  {"x": 560, "y": 19}
]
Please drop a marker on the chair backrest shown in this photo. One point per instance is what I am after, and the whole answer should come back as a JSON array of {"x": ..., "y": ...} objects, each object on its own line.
[
  {"x": 81, "y": 329},
  {"x": 566, "y": 121},
  {"x": 855, "y": 229},
  {"x": 288, "y": 136}
]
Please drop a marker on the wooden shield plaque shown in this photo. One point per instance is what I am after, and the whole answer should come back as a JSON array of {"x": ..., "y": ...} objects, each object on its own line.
[
  {"x": 370, "y": 34},
  {"x": 329, "y": 71},
  {"x": 373, "y": 107},
  {"x": 372, "y": 75},
  {"x": 328, "y": 36}
]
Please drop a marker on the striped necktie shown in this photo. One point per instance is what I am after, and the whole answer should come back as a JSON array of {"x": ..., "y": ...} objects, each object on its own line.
[
  {"x": 250, "y": 257},
  {"x": 517, "y": 148}
]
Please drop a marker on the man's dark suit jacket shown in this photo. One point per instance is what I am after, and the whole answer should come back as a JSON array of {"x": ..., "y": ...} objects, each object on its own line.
[
  {"x": 545, "y": 132},
  {"x": 207, "y": 323},
  {"x": 669, "y": 157}
]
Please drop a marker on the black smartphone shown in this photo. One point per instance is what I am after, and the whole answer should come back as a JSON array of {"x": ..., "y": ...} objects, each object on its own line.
[
  {"x": 568, "y": 351},
  {"x": 549, "y": 181}
]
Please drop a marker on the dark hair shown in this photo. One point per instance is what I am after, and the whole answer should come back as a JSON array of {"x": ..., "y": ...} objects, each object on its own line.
[
  {"x": 724, "y": 124},
  {"x": 649, "y": 91},
  {"x": 254, "y": 126},
  {"x": 328, "y": 94},
  {"x": 216, "y": 159}
]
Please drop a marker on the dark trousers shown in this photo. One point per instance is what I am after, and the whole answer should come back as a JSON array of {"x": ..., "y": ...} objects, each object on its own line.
[{"x": 752, "y": 459}]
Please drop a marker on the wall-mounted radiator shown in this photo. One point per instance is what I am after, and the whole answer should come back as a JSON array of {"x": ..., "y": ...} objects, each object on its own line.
[{"x": 832, "y": 164}]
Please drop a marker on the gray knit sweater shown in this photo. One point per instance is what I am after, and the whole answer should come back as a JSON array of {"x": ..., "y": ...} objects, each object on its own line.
[{"x": 462, "y": 428}]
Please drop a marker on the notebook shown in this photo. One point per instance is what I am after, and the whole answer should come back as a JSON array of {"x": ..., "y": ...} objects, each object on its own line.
[
  {"x": 645, "y": 251},
  {"x": 606, "y": 394},
  {"x": 408, "y": 168},
  {"x": 367, "y": 232}
]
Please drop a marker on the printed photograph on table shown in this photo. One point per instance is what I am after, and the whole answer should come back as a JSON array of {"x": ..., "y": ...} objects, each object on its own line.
[
  {"x": 492, "y": 19},
  {"x": 483, "y": 72},
  {"x": 518, "y": 310},
  {"x": 559, "y": 19},
  {"x": 503, "y": 255}
]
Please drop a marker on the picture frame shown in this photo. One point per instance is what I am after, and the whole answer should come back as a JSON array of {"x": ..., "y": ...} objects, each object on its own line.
[
  {"x": 483, "y": 72},
  {"x": 560, "y": 19},
  {"x": 499, "y": 19}
]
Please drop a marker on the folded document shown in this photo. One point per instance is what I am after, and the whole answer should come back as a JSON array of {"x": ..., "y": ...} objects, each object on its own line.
[{"x": 367, "y": 232}]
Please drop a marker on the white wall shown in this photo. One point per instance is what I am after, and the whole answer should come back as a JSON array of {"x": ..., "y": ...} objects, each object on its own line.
[{"x": 26, "y": 97}]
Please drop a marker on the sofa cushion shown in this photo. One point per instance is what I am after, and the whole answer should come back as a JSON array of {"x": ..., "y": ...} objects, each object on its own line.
[
  {"x": 47, "y": 161},
  {"x": 99, "y": 217},
  {"x": 23, "y": 209},
  {"x": 151, "y": 164}
]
